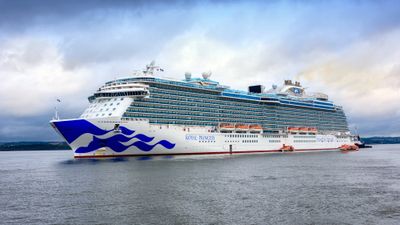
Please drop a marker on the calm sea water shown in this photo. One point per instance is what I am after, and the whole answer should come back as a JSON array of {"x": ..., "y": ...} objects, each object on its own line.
[{"x": 49, "y": 187}]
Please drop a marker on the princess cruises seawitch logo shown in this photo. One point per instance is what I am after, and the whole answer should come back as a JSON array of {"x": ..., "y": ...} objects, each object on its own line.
[{"x": 120, "y": 141}]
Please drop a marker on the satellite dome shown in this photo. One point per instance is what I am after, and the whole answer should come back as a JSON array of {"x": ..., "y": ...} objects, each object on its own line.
[
  {"x": 188, "y": 76},
  {"x": 206, "y": 75}
]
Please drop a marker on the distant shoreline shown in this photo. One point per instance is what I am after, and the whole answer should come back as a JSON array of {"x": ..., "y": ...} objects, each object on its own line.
[
  {"x": 381, "y": 140},
  {"x": 61, "y": 145},
  {"x": 34, "y": 146}
]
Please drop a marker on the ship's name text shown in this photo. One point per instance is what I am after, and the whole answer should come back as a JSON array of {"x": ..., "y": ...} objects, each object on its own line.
[{"x": 192, "y": 137}]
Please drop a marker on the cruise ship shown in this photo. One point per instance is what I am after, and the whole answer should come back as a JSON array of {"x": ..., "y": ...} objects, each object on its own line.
[{"x": 147, "y": 114}]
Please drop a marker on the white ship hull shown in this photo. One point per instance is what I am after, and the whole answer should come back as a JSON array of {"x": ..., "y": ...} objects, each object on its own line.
[{"x": 102, "y": 138}]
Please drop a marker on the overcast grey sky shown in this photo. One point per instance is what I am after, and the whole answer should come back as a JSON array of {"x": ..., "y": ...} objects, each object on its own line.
[{"x": 66, "y": 49}]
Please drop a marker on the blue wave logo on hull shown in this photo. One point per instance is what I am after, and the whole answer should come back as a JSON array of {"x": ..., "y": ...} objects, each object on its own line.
[
  {"x": 73, "y": 129},
  {"x": 116, "y": 146}
]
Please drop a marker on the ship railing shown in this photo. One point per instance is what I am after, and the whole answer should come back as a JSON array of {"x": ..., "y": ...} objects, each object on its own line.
[{"x": 120, "y": 94}]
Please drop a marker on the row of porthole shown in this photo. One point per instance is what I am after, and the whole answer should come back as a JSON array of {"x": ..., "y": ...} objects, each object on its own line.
[
  {"x": 272, "y": 136},
  {"x": 206, "y": 141},
  {"x": 111, "y": 104},
  {"x": 232, "y": 141},
  {"x": 104, "y": 114},
  {"x": 109, "y": 100},
  {"x": 311, "y": 136},
  {"x": 89, "y": 115},
  {"x": 90, "y": 111},
  {"x": 241, "y": 136},
  {"x": 250, "y": 141}
]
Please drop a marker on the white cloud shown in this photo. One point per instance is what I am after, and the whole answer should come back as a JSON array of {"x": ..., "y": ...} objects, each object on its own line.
[
  {"x": 238, "y": 66},
  {"x": 33, "y": 77},
  {"x": 365, "y": 77}
]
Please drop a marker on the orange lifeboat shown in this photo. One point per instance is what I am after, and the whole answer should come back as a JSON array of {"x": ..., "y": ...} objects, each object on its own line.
[
  {"x": 312, "y": 130},
  {"x": 226, "y": 126},
  {"x": 255, "y": 128},
  {"x": 346, "y": 148},
  {"x": 304, "y": 129},
  {"x": 287, "y": 148},
  {"x": 293, "y": 129},
  {"x": 240, "y": 127}
]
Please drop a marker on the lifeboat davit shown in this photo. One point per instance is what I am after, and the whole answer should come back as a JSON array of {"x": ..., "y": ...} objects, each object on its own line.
[
  {"x": 255, "y": 128},
  {"x": 346, "y": 148},
  {"x": 241, "y": 128}
]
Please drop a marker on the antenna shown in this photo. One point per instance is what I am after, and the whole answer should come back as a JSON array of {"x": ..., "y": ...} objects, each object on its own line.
[
  {"x": 355, "y": 130},
  {"x": 56, "y": 116},
  {"x": 150, "y": 68}
]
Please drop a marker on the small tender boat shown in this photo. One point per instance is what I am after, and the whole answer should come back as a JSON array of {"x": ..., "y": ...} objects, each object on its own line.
[
  {"x": 363, "y": 145},
  {"x": 346, "y": 148},
  {"x": 287, "y": 148}
]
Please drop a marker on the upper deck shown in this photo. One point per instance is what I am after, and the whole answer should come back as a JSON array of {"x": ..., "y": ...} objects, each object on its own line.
[{"x": 293, "y": 95}]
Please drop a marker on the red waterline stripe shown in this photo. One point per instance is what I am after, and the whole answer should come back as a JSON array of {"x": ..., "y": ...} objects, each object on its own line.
[
  {"x": 198, "y": 153},
  {"x": 315, "y": 149}
]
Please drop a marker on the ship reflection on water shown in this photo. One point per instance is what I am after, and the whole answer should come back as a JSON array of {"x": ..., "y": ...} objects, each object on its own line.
[{"x": 145, "y": 158}]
